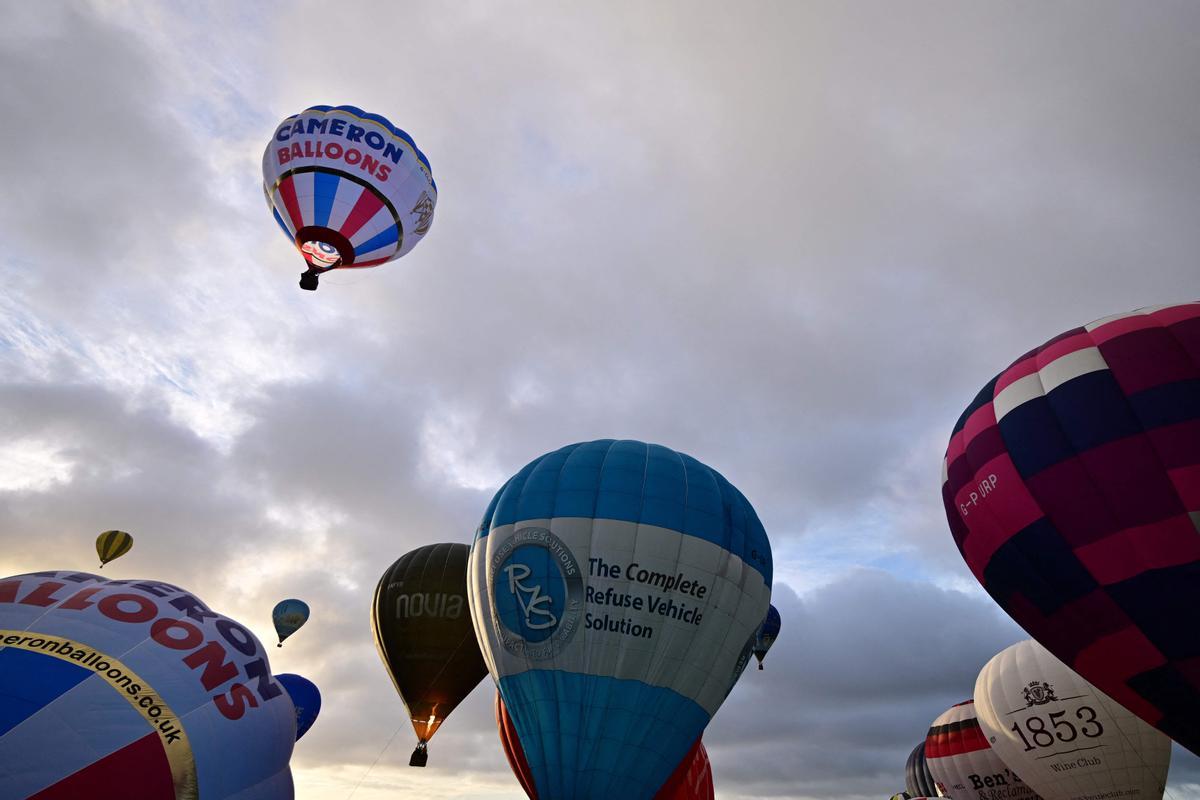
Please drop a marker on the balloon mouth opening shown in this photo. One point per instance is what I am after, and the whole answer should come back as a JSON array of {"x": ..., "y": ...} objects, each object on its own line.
[{"x": 324, "y": 248}]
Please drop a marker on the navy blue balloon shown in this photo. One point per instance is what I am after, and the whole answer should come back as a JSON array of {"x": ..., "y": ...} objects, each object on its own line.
[{"x": 306, "y": 697}]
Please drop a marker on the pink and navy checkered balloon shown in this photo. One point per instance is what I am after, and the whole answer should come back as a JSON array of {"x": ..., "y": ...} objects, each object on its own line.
[{"x": 1072, "y": 488}]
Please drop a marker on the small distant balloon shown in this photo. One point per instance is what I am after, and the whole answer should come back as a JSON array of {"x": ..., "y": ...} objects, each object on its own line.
[
  {"x": 306, "y": 698},
  {"x": 767, "y": 632},
  {"x": 288, "y": 616},
  {"x": 111, "y": 545}
]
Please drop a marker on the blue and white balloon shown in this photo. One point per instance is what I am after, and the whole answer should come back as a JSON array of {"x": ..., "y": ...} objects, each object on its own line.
[{"x": 614, "y": 587}]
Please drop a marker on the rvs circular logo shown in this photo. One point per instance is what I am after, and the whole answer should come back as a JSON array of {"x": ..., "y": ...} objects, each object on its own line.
[{"x": 537, "y": 593}]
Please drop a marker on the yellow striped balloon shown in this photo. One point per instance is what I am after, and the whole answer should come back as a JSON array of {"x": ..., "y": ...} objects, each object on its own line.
[{"x": 112, "y": 544}]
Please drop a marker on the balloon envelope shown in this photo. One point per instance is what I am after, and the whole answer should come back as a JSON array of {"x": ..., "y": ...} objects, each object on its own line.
[
  {"x": 134, "y": 688},
  {"x": 112, "y": 544},
  {"x": 1072, "y": 489},
  {"x": 1068, "y": 740},
  {"x": 691, "y": 780},
  {"x": 423, "y": 633},
  {"x": 289, "y": 616},
  {"x": 917, "y": 779},
  {"x": 306, "y": 698},
  {"x": 615, "y": 586},
  {"x": 963, "y": 764},
  {"x": 766, "y": 634},
  {"x": 348, "y": 188}
]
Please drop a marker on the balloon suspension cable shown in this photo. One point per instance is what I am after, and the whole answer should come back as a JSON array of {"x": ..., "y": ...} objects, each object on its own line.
[{"x": 366, "y": 774}]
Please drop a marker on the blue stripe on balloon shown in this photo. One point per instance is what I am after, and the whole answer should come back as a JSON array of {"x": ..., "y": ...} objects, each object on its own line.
[
  {"x": 33, "y": 680},
  {"x": 634, "y": 482},
  {"x": 325, "y": 186},
  {"x": 1092, "y": 410},
  {"x": 1034, "y": 437},
  {"x": 1169, "y": 404},
  {"x": 585, "y": 736},
  {"x": 382, "y": 239},
  {"x": 282, "y": 225}
]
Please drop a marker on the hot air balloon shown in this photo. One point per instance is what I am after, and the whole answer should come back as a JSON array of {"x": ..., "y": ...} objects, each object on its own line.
[
  {"x": 963, "y": 764},
  {"x": 1068, "y": 740},
  {"x": 289, "y": 616},
  {"x": 917, "y": 780},
  {"x": 134, "y": 689},
  {"x": 111, "y": 545},
  {"x": 766, "y": 634},
  {"x": 306, "y": 698},
  {"x": 349, "y": 189},
  {"x": 1072, "y": 489},
  {"x": 691, "y": 780},
  {"x": 423, "y": 633},
  {"x": 614, "y": 586}
]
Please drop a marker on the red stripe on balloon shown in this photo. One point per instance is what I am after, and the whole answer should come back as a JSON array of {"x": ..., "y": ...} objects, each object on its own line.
[
  {"x": 1116, "y": 658},
  {"x": 1020, "y": 369},
  {"x": 1064, "y": 346},
  {"x": 1187, "y": 483},
  {"x": 139, "y": 770},
  {"x": 1126, "y": 357},
  {"x": 1130, "y": 552},
  {"x": 365, "y": 207},
  {"x": 1123, "y": 327},
  {"x": 287, "y": 192}
]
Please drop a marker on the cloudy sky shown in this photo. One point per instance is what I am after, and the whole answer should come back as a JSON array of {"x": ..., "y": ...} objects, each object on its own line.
[{"x": 791, "y": 239}]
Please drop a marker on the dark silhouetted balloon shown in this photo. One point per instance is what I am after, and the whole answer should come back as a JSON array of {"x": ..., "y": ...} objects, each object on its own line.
[
  {"x": 917, "y": 780},
  {"x": 1072, "y": 488},
  {"x": 423, "y": 632},
  {"x": 767, "y": 632}
]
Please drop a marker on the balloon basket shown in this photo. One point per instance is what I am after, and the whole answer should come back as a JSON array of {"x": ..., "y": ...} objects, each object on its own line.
[
  {"x": 420, "y": 756},
  {"x": 308, "y": 281}
]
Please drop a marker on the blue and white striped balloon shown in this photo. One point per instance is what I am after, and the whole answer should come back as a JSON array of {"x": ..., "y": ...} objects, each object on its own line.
[{"x": 616, "y": 588}]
